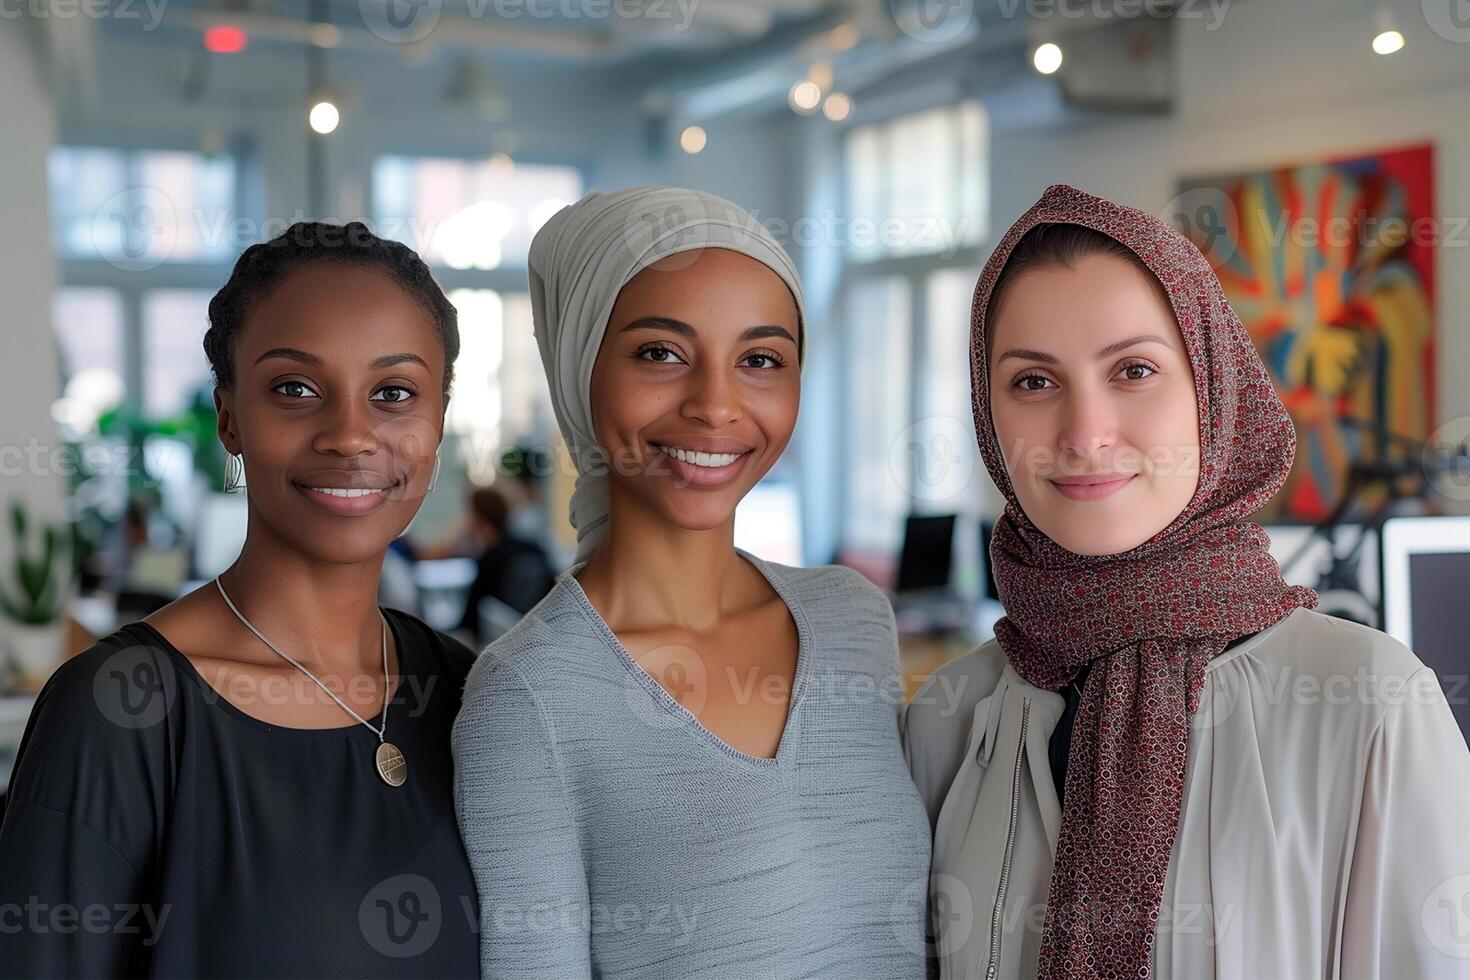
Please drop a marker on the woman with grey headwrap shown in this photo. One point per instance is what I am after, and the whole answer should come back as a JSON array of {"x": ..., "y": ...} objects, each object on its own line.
[{"x": 685, "y": 760}]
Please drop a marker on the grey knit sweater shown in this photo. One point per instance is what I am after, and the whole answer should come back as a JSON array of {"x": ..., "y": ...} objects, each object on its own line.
[{"x": 611, "y": 834}]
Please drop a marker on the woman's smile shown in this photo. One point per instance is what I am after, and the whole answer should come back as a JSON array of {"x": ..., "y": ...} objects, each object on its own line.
[
  {"x": 1091, "y": 488},
  {"x": 698, "y": 468}
]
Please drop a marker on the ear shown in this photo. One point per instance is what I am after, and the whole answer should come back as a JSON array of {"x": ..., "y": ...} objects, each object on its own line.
[{"x": 224, "y": 413}]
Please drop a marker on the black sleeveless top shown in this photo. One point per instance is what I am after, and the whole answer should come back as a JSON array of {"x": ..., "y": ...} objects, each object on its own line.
[{"x": 155, "y": 829}]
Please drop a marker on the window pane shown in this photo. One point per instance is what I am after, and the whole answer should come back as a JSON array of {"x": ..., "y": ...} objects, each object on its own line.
[
  {"x": 922, "y": 151},
  {"x": 923, "y": 179},
  {"x": 768, "y": 521},
  {"x": 141, "y": 208},
  {"x": 973, "y": 178},
  {"x": 174, "y": 365},
  {"x": 865, "y": 191},
  {"x": 89, "y": 339},
  {"x": 527, "y": 410},
  {"x": 89, "y": 330},
  {"x": 475, "y": 403},
  {"x": 878, "y": 332},
  {"x": 948, "y": 477},
  {"x": 199, "y": 194},
  {"x": 82, "y": 180},
  {"x": 468, "y": 214}
]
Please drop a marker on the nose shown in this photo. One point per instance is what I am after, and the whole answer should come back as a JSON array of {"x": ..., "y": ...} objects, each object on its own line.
[
  {"x": 1089, "y": 425},
  {"x": 347, "y": 430},
  {"x": 713, "y": 396}
]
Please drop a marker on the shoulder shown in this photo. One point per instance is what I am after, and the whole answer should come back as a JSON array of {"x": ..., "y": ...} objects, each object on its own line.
[
  {"x": 450, "y": 657},
  {"x": 1324, "y": 678},
  {"x": 552, "y": 638},
  {"x": 1324, "y": 659},
  {"x": 125, "y": 682},
  {"x": 1314, "y": 643},
  {"x": 100, "y": 741},
  {"x": 937, "y": 721},
  {"x": 830, "y": 594},
  {"x": 941, "y": 709},
  {"x": 831, "y": 580}
]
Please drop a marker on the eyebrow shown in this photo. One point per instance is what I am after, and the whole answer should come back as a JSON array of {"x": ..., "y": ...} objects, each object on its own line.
[
  {"x": 684, "y": 329},
  {"x": 387, "y": 360},
  {"x": 1108, "y": 351}
]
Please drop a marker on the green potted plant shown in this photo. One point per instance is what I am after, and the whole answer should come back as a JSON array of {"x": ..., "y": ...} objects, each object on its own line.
[{"x": 33, "y": 597}]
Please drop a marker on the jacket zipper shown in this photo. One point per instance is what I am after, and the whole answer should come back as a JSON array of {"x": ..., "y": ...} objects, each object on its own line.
[{"x": 1005, "y": 867}]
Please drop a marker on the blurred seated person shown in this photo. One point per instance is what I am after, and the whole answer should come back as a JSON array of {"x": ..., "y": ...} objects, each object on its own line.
[{"x": 511, "y": 569}]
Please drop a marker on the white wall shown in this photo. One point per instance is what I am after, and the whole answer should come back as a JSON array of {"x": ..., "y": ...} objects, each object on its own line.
[{"x": 28, "y": 467}]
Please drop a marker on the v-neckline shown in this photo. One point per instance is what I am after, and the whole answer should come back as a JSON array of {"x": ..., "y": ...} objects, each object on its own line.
[{"x": 667, "y": 700}]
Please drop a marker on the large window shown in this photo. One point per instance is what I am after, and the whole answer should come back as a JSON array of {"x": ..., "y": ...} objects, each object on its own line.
[
  {"x": 878, "y": 371},
  {"x": 917, "y": 206},
  {"x": 468, "y": 214}
]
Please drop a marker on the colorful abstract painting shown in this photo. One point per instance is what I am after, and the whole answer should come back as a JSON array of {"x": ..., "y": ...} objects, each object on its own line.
[{"x": 1331, "y": 267}]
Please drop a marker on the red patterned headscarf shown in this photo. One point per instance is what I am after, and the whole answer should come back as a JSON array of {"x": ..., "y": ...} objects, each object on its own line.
[{"x": 1148, "y": 619}]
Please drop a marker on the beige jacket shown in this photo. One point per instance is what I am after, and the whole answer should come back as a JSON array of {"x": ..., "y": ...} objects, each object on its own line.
[{"x": 1324, "y": 832}]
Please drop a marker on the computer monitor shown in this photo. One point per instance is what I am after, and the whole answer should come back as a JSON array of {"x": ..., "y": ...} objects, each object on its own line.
[
  {"x": 1426, "y": 598},
  {"x": 928, "y": 551}
]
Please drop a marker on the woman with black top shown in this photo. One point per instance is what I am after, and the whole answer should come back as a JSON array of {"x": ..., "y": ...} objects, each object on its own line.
[{"x": 255, "y": 781}]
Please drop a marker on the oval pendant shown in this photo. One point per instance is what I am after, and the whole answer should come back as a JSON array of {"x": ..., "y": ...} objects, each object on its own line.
[{"x": 392, "y": 766}]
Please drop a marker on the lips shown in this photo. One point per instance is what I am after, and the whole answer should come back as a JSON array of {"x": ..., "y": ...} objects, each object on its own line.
[
  {"x": 1091, "y": 487},
  {"x": 346, "y": 480},
  {"x": 705, "y": 462},
  {"x": 346, "y": 493}
]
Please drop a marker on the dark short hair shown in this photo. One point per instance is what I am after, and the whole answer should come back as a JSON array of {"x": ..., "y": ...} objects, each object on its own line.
[
  {"x": 1053, "y": 245},
  {"x": 264, "y": 266},
  {"x": 490, "y": 506}
]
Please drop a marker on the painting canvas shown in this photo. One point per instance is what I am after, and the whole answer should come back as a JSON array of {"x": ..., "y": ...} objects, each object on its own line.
[{"x": 1331, "y": 267}]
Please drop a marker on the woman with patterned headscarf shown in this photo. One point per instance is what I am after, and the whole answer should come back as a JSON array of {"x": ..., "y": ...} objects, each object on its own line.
[{"x": 1167, "y": 762}]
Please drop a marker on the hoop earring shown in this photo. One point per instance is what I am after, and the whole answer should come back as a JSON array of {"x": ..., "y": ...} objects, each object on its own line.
[
  {"x": 234, "y": 472},
  {"x": 434, "y": 476}
]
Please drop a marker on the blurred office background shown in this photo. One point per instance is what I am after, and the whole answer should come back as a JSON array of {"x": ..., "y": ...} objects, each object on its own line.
[{"x": 887, "y": 142}]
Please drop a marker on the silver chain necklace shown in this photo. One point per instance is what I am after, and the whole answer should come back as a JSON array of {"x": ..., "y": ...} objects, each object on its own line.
[{"x": 392, "y": 766}]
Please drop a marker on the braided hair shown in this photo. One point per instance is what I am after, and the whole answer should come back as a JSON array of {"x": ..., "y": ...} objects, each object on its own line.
[{"x": 262, "y": 267}]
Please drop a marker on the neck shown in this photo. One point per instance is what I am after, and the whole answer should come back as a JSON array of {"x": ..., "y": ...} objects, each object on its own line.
[
  {"x": 647, "y": 572},
  {"x": 320, "y": 613}
]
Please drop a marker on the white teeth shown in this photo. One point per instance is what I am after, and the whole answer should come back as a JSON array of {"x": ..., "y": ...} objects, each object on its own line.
[
  {"x": 710, "y": 460},
  {"x": 345, "y": 491}
]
